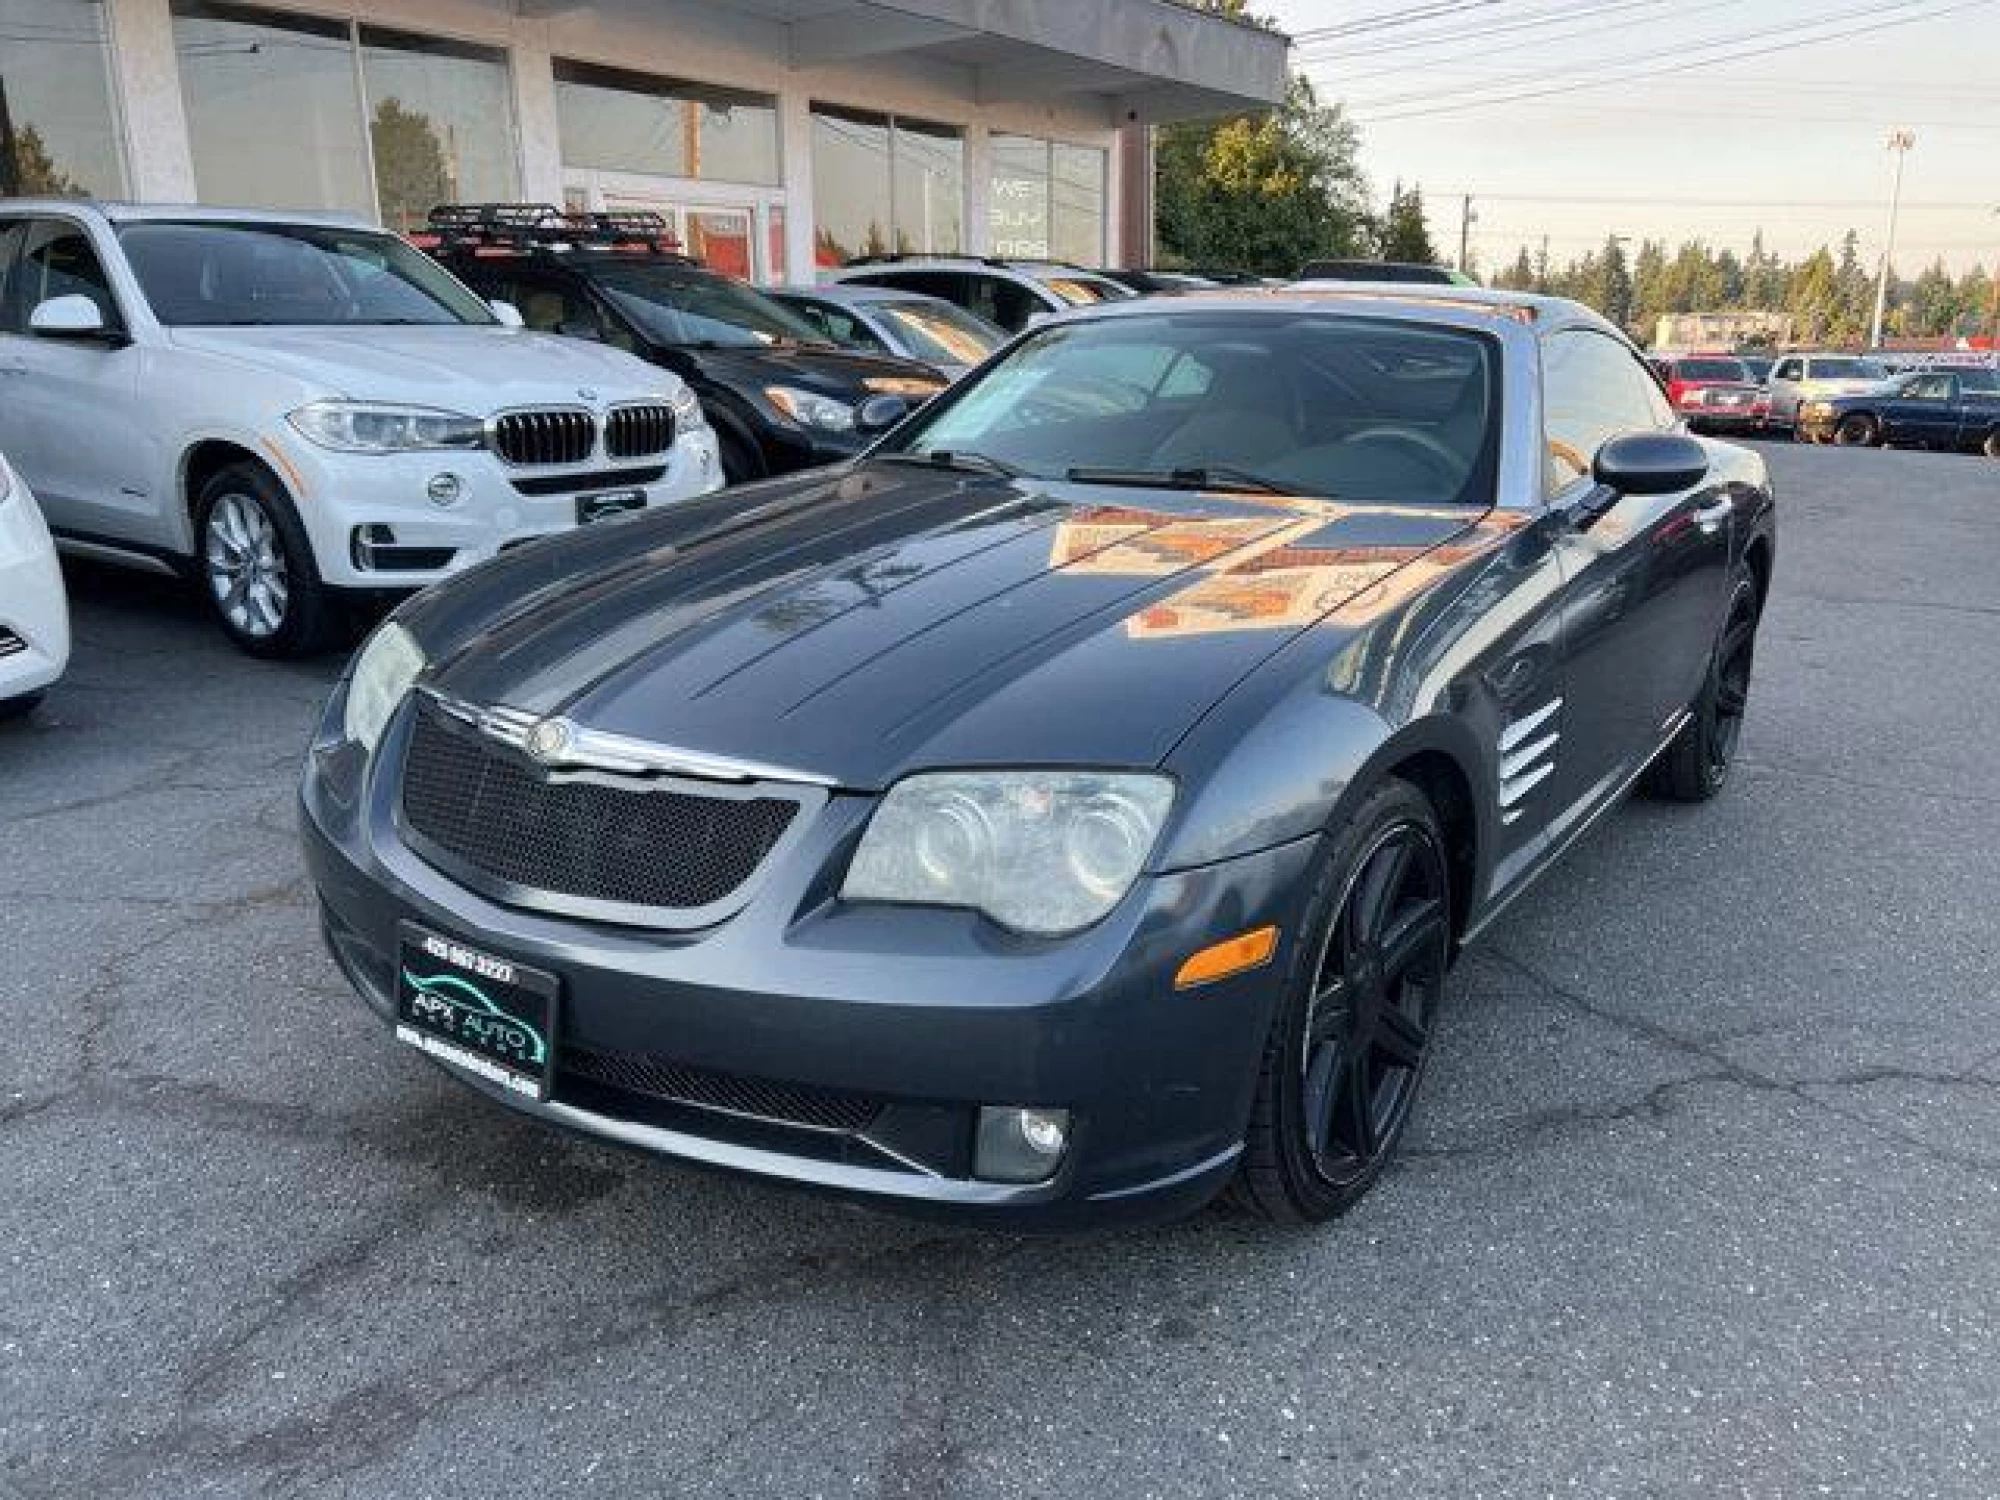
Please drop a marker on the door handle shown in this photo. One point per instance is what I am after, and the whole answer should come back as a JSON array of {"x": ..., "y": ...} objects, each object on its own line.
[
  {"x": 1712, "y": 517},
  {"x": 13, "y": 367}
]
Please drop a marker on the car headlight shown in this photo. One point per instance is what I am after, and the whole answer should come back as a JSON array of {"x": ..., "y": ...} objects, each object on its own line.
[
  {"x": 809, "y": 409},
  {"x": 1818, "y": 409},
  {"x": 688, "y": 415},
  {"x": 373, "y": 427},
  {"x": 384, "y": 673},
  {"x": 6, "y": 481},
  {"x": 1045, "y": 852}
]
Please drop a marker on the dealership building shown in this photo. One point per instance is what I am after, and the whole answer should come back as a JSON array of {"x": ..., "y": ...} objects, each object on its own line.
[{"x": 776, "y": 135}]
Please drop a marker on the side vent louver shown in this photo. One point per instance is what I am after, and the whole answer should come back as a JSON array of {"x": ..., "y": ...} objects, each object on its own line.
[{"x": 1528, "y": 749}]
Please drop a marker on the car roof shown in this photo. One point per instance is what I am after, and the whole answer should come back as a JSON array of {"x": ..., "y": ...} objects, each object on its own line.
[
  {"x": 1414, "y": 299},
  {"x": 116, "y": 212},
  {"x": 855, "y": 291}
]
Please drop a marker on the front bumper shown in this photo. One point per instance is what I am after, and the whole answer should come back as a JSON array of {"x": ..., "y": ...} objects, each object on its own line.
[
  {"x": 34, "y": 614},
  {"x": 930, "y": 1012},
  {"x": 373, "y": 525}
]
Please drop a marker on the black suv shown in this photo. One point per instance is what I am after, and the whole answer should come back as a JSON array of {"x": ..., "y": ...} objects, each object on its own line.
[{"x": 780, "y": 396}]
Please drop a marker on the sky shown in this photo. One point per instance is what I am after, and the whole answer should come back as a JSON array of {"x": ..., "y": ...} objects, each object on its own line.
[{"x": 1647, "y": 118}]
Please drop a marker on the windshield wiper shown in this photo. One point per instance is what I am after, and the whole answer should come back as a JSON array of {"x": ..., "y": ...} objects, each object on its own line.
[
  {"x": 1218, "y": 477},
  {"x": 964, "y": 460}
]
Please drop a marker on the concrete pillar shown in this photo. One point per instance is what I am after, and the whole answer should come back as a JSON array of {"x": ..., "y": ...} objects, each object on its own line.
[
  {"x": 147, "y": 78},
  {"x": 1129, "y": 237},
  {"x": 795, "y": 150},
  {"x": 978, "y": 189},
  {"x": 535, "y": 115}
]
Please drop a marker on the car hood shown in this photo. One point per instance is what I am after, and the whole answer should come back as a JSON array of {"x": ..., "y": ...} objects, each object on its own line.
[
  {"x": 842, "y": 373},
  {"x": 866, "y": 621},
  {"x": 1819, "y": 389},
  {"x": 464, "y": 368}
]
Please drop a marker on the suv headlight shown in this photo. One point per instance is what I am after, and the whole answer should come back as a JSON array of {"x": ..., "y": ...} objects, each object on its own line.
[
  {"x": 688, "y": 415},
  {"x": 1044, "y": 852},
  {"x": 384, "y": 673},
  {"x": 374, "y": 427},
  {"x": 809, "y": 409}
]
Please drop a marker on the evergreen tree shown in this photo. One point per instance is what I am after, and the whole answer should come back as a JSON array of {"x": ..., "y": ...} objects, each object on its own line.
[{"x": 1406, "y": 235}]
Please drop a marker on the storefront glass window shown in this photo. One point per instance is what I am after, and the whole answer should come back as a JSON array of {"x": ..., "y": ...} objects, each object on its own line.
[
  {"x": 440, "y": 121},
  {"x": 273, "y": 109},
  {"x": 616, "y": 121},
  {"x": 57, "y": 131},
  {"x": 1048, "y": 200},
  {"x": 883, "y": 184}
]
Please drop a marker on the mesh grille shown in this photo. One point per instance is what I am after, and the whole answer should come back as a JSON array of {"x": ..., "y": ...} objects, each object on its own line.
[
  {"x": 11, "y": 644},
  {"x": 545, "y": 437},
  {"x": 782, "y": 1103},
  {"x": 637, "y": 431},
  {"x": 494, "y": 810}
]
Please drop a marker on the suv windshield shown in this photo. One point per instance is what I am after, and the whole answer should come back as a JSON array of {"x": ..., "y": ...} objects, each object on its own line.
[
  {"x": 1710, "y": 369},
  {"x": 673, "y": 305},
  {"x": 220, "y": 275},
  {"x": 1304, "y": 403},
  {"x": 940, "y": 332},
  {"x": 1845, "y": 369}
]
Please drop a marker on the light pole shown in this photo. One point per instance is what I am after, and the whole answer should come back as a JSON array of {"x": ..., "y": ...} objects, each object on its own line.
[
  {"x": 1900, "y": 142},
  {"x": 1466, "y": 219}
]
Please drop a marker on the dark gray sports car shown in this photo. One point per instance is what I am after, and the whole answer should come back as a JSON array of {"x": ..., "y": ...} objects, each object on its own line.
[{"x": 1072, "y": 807}]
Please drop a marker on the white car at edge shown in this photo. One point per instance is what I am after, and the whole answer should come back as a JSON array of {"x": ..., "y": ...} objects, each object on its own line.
[
  {"x": 34, "y": 616},
  {"x": 293, "y": 406}
]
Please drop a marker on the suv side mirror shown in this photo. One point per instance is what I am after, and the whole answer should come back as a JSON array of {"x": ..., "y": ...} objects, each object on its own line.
[
  {"x": 1650, "y": 463},
  {"x": 72, "y": 316},
  {"x": 508, "y": 314}
]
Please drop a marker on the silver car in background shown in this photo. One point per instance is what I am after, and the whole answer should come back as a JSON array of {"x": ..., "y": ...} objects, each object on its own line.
[{"x": 893, "y": 320}]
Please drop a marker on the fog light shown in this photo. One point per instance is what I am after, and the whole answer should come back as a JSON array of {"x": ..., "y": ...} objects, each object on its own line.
[
  {"x": 1019, "y": 1145},
  {"x": 444, "y": 489}
]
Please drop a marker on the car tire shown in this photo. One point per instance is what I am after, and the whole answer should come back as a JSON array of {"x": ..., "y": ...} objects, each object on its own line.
[
  {"x": 19, "y": 707},
  {"x": 1695, "y": 766},
  {"x": 1359, "y": 1004},
  {"x": 254, "y": 566},
  {"x": 1858, "y": 431}
]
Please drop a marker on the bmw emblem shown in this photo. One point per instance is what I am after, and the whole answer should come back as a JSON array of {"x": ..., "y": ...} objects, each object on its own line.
[
  {"x": 549, "y": 741},
  {"x": 585, "y": 393}
]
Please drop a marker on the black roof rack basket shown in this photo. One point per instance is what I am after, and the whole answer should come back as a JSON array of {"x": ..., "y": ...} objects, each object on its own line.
[{"x": 532, "y": 226}]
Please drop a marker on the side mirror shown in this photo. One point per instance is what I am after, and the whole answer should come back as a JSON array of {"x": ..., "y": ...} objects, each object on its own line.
[
  {"x": 73, "y": 316},
  {"x": 508, "y": 314},
  {"x": 1650, "y": 463},
  {"x": 878, "y": 412}
]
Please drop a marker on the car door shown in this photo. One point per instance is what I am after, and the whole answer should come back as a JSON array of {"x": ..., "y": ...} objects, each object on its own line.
[
  {"x": 1923, "y": 410},
  {"x": 1645, "y": 576},
  {"x": 1784, "y": 385},
  {"x": 73, "y": 419}
]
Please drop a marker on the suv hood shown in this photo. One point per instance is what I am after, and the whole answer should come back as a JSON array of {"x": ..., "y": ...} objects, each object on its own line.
[
  {"x": 473, "y": 369},
  {"x": 842, "y": 373},
  {"x": 864, "y": 622}
]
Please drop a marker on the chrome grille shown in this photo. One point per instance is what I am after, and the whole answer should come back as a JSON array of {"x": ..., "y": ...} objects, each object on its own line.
[
  {"x": 483, "y": 811},
  {"x": 638, "y": 431},
  {"x": 559, "y": 436}
]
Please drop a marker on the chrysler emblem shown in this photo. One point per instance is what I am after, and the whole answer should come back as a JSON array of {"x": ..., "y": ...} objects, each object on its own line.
[{"x": 549, "y": 741}]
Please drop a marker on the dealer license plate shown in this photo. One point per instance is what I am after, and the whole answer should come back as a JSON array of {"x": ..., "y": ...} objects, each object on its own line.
[
  {"x": 609, "y": 503},
  {"x": 477, "y": 1011}
]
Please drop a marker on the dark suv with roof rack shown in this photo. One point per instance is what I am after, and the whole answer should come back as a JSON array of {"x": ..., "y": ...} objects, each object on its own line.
[{"x": 780, "y": 396}]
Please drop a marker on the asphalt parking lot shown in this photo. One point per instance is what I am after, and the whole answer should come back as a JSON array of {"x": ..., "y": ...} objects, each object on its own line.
[{"x": 1704, "y": 1194}]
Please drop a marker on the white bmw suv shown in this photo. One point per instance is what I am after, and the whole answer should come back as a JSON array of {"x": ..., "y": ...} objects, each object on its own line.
[{"x": 292, "y": 406}]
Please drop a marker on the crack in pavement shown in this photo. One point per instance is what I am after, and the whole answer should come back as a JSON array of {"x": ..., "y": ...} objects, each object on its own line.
[{"x": 1720, "y": 1070}]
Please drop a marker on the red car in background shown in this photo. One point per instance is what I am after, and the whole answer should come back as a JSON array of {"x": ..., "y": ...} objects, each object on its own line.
[{"x": 1714, "y": 392}]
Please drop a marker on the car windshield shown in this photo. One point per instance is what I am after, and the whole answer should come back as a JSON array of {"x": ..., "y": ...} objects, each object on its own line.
[
  {"x": 1080, "y": 291},
  {"x": 1710, "y": 369},
  {"x": 940, "y": 332},
  {"x": 1303, "y": 403},
  {"x": 1847, "y": 369},
  {"x": 673, "y": 305},
  {"x": 198, "y": 274}
]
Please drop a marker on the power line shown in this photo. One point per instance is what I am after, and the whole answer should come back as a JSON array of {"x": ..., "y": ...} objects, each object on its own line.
[
  {"x": 1390, "y": 19},
  {"x": 1686, "y": 63},
  {"x": 1525, "y": 23}
]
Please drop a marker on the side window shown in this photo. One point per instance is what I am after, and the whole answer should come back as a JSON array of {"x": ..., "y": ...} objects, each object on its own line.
[
  {"x": 1930, "y": 388},
  {"x": 1012, "y": 304},
  {"x": 1788, "y": 369},
  {"x": 551, "y": 304},
  {"x": 1593, "y": 390},
  {"x": 814, "y": 313},
  {"x": 54, "y": 259}
]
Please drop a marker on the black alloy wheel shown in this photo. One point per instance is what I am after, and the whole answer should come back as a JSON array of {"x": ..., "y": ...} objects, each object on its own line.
[
  {"x": 1696, "y": 765},
  {"x": 1349, "y": 1045},
  {"x": 1857, "y": 431}
]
